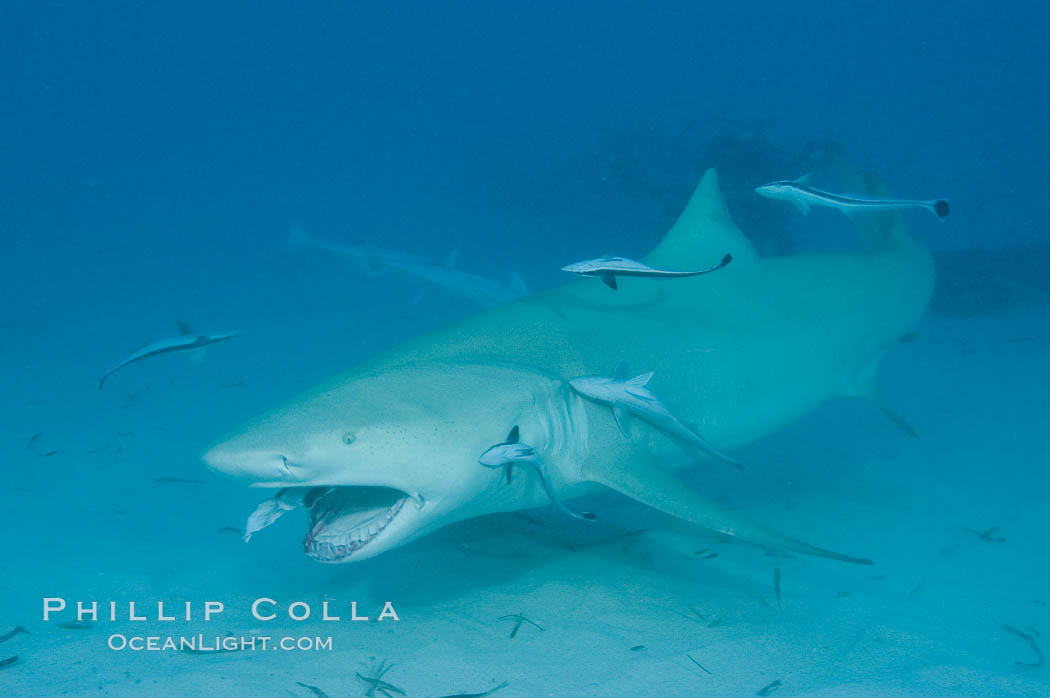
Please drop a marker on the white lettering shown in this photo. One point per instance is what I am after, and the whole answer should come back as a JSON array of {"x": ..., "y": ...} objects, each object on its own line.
[
  {"x": 305, "y": 612},
  {"x": 388, "y": 612},
  {"x": 353, "y": 612},
  {"x": 211, "y": 607},
  {"x": 324, "y": 612},
  {"x": 255, "y": 609},
  {"x": 82, "y": 611},
  {"x": 51, "y": 607}
]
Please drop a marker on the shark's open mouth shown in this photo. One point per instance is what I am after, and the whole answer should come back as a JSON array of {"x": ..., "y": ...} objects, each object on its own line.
[{"x": 344, "y": 520}]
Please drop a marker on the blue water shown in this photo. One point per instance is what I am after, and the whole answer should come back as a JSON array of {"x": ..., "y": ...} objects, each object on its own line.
[{"x": 155, "y": 157}]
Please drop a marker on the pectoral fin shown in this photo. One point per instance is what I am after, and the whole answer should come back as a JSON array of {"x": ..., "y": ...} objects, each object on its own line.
[
  {"x": 641, "y": 381},
  {"x": 609, "y": 279},
  {"x": 651, "y": 485},
  {"x": 801, "y": 205},
  {"x": 196, "y": 356}
]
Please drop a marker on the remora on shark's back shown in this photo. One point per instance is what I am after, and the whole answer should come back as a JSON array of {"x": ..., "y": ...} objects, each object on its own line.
[
  {"x": 745, "y": 352},
  {"x": 627, "y": 396},
  {"x": 608, "y": 268}
]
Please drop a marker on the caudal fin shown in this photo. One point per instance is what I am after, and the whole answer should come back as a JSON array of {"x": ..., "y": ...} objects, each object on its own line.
[{"x": 940, "y": 208}]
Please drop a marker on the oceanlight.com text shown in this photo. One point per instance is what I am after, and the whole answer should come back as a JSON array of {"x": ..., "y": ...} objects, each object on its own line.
[{"x": 203, "y": 644}]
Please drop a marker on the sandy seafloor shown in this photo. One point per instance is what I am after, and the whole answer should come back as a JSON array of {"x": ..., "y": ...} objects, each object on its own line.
[{"x": 924, "y": 620}]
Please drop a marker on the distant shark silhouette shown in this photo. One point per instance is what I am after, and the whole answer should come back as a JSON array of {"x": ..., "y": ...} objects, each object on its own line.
[
  {"x": 187, "y": 341},
  {"x": 740, "y": 353},
  {"x": 477, "y": 289}
]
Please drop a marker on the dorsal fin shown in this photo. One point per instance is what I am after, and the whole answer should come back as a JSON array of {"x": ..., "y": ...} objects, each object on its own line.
[
  {"x": 619, "y": 371},
  {"x": 452, "y": 258},
  {"x": 513, "y": 436},
  {"x": 184, "y": 327},
  {"x": 703, "y": 233}
]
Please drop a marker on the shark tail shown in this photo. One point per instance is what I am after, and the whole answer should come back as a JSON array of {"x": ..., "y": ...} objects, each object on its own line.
[{"x": 940, "y": 208}]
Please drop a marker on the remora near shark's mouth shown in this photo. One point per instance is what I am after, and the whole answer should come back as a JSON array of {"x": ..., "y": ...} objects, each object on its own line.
[{"x": 344, "y": 520}]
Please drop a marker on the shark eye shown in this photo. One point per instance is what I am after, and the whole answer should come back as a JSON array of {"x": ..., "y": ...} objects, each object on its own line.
[{"x": 349, "y": 438}]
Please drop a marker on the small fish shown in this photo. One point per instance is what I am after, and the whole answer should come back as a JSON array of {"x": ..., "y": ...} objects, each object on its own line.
[
  {"x": 511, "y": 452},
  {"x": 377, "y": 681},
  {"x": 76, "y": 625},
  {"x": 11, "y": 633},
  {"x": 312, "y": 689},
  {"x": 33, "y": 439},
  {"x": 187, "y": 341},
  {"x": 99, "y": 449},
  {"x": 1040, "y": 657},
  {"x": 272, "y": 509},
  {"x": 608, "y": 268},
  {"x": 769, "y": 688},
  {"x": 989, "y": 536},
  {"x": 177, "y": 481},
  {"x": 702, "y": 667},
  {"x": 519, "y": 620},
  {"x": 803, "y": 196},
  {"x": 478, "y": 695},
  {"x": 8, "y": 662},
  {"x": 638, "y": 648},
  {"x": 627, "y": 396},
  {"x": 776, "y": 583},
  {"x": 230, "y": 529},
  {"x": 704, "y": 554}
]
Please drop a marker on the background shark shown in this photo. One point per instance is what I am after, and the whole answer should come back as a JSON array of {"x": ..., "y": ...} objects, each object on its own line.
[
  {"x": 447, "y": 277},
  {"x": 741, "y": 353}
]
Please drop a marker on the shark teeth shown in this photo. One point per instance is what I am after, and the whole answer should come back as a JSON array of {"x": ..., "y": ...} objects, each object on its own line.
[{"x": 341, "y": 524}]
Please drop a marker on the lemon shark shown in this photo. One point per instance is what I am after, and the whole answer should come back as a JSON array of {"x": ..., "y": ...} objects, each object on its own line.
[{"x": 388, "y": 452}]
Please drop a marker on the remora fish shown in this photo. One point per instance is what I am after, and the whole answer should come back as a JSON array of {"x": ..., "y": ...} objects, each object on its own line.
[
  {"x": 477, "y": 289},
  {"x": 627, "y": 396},
  {"x": 608, "y": 268},
  {"x": 745, "y": 352},
  {"x": 512, "y": 452},
  {"x": 187, "y": 341},
  {"x": 803, "y": 196}
]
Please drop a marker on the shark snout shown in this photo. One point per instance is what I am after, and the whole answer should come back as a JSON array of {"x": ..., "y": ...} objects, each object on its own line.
[{"x": 260, "y": 465}]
